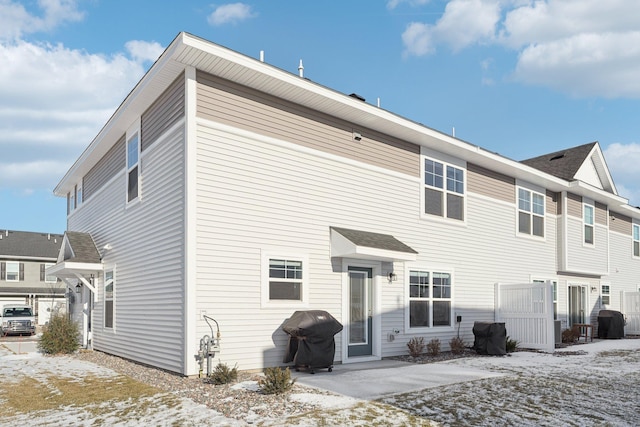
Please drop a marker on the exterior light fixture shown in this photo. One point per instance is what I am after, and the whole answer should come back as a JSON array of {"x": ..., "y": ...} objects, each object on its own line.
[
  {"x": 392, "y": 276},
  {"x": 357, "y": 136},
  {"x": 78, "y": 288}
]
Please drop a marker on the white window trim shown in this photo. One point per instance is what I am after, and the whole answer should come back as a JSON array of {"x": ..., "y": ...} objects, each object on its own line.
[
  {"x": 133, "y": 130},
  {"x": 603, "y": 294},
  {"x": 17, "y": 264},
  {"x": 113, "y": 299},
  {"x": 55, "y": 279},
  {"x": 265, "y": 302},
  {"x": 584, "y": 224},
  {"x": 422, "y": 329},
  {"x": 458, "y": 164},
  {"x": 531, "y": 214},
  {"x": 633, "y": 239}
]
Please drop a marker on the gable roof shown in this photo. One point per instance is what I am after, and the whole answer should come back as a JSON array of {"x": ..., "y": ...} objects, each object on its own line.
[
  {"x": 79, "y": 248},
  {"x": 29, "y": 245},
  {"x": 582, "y": 163}
]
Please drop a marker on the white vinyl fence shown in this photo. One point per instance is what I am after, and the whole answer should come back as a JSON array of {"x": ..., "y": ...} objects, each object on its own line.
[
  {"x": 631, "y": 310},
  {"x": 527, "y": 311}
]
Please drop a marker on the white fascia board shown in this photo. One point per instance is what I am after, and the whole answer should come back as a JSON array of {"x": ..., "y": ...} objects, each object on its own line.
[
  {"x": 118, "y": 123},
  {"x": 597, "y": 194},
  {"x": 67, "y": 269}
]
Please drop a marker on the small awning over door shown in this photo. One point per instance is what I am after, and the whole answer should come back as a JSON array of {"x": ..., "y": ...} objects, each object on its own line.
[
  {"x": 78, "y": 257},
  {"x": 367, "y": 245}
]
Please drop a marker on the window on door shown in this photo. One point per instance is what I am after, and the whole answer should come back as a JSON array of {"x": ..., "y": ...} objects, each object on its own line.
[{"x": 430, "y": 298}]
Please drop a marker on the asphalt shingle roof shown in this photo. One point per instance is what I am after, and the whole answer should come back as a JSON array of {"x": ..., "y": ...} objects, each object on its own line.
[
  {"x": 29, "y": 244},
  {"x": 83, "y": 246},
  {"x": 563, "y": 164},
  {"x": 374, "y": 240}
]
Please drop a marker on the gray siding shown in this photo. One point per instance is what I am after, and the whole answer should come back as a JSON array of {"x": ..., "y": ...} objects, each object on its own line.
[
  {"x": 574, "y": 205},
  {"x": 163, "y": 114},
  {"x": 621, "y": 224},
  {"x": 552, "y": 199},
  {"x": 601, "y": 214},
  {"x": 490, "y": 183},
  {"x": 228, "y": 103},
  {"x": 107, "y": 167},
  {"x": 147, "y": 240}
]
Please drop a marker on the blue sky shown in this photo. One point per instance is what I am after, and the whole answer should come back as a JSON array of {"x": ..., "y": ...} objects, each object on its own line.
[{"x": 521, "y": 78}]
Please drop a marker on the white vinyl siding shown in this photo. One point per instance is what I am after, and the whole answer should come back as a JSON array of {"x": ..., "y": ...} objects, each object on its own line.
[{"x": 148, "y": 241}]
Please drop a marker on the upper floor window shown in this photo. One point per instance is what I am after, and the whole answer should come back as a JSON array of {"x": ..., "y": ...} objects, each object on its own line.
[
  {"x": 133, "y": 164},
  {"x": 588, "y": 223},
  {"x": 44, "y": 277},
  {"x": 636, "y": 240},
  {"x": 530, "y": 212},
  {"x": 12, "y": 271},
  {"x": 430, "y": 298},
  {"x": 444, "y": 190}
]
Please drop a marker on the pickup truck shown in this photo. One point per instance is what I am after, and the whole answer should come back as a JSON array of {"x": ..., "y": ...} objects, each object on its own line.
[{"x": 17, "y": 319}]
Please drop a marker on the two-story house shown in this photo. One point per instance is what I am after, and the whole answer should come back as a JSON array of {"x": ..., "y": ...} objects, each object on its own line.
[
  {"x": 24, "y": 256},
  {"x": 226, "y": 187}
]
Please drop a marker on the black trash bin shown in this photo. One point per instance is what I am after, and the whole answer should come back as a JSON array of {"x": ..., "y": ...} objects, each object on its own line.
[
  {"x": 610, "y": 324},
  {"x": 490, "y": 338},
  {"x": 311, "y": 339}
]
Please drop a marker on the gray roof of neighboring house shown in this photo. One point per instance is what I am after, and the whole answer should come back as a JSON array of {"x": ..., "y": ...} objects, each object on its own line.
[
  {"x": 22, "y": 244},
  {"x": 374, "y": 240},
  {"x": 83, "y": 247},
  {"x": 563, "y": 164}
]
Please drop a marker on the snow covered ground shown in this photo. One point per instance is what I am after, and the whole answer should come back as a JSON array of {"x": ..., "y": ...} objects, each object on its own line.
[{"x": 595, "y": 384}]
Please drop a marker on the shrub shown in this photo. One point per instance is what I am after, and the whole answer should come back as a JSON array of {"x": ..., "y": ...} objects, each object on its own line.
[
  {"x": 416, "y": 346},
  {"x": 222, "y": 374},
  {"x": 511, "y": 345},
  {"x": 569, "y": 336},
  {"x": 59, "y": 336},
  {"x": 276, "y": 381},
  {"x": 433, "y": 348},
  {"x": 457, "y": 345}
]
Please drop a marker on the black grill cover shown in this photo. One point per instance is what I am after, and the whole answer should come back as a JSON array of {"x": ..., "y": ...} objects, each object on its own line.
[
  {"x": 312, "y": 324},
  {"x": 490, "y": 338},
  {"x": 311, "y": 341},
  {"x": 610, "y": 324}
]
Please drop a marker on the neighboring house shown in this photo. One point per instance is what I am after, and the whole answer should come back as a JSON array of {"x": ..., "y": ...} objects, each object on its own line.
[
  {"x": 24, "y": 256},
  {"x": 226, "y": 187}
]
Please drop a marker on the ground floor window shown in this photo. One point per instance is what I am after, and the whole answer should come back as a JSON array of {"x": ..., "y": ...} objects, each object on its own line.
[
  {"x": 284, "y": 279},
  {"x": 430, "y": 298},
  {"x": 605, "y": 294},
  {"x": 109, "y": 290}
]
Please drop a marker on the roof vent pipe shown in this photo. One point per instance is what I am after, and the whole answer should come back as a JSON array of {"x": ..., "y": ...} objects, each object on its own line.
[
  {"x": 301, "y": 69},
  {"x": 262, "y": 56},
  {"x": 378, "y": 102}
]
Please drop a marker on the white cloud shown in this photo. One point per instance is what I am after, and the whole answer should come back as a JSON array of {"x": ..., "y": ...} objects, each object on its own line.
[
  {"x": 15, "y": 20},
  {"x": 392, "y": 4},
  {"x": 623, "y": 161},
  {"x": 230, "y": 13},
  {"x": 54, "y": 100},
  {"x": 142, "y": 51},
  {"x": 581, "y": 47},
  {"x": 464, "y": 22}
]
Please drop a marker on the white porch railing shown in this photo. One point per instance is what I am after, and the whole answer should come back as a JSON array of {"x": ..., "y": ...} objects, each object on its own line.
[{"x": 527, "y": 311}]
